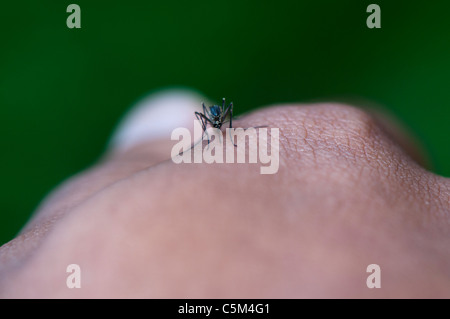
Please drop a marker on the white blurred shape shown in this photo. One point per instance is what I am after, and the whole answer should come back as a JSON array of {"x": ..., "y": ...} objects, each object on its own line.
[{"x": 156, "y": 116}]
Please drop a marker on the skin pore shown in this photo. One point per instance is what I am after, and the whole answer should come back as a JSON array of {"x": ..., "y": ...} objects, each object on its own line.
[{"x": 347, "y": 194}]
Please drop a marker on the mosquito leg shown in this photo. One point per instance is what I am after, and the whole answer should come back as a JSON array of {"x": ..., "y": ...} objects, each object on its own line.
[
  {"x": 200, "y": 119},
  {"x": 229, "y": 112},
  {"x": 204, "y": 120},
  {"x": 204, "y": 123},
  {"x": 230, "y": 107},
  {"x": 260, "y": 126}
]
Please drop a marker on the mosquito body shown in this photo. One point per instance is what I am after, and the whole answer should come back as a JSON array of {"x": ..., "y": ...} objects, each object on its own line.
[{"x": 216, "y": 116}]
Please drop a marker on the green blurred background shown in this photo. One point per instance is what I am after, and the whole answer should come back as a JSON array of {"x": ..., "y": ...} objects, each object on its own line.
[{"x": 63, "y": 90}]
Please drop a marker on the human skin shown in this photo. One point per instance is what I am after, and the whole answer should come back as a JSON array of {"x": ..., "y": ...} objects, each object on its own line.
[{"x": 347, "y": 195}]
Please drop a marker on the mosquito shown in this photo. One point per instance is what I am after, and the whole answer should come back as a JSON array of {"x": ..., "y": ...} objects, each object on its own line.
[{"x": 216, "y": 116}]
